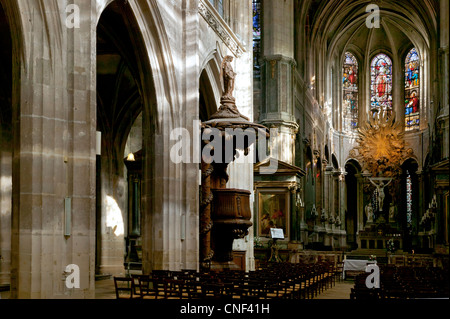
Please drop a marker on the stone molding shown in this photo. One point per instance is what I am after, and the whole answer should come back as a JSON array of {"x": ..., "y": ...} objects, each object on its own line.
[{"x": 221, "y": 28}]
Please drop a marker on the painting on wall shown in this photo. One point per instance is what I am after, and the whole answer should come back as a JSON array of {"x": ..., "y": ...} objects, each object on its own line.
[{"x": 273, "y": 211}]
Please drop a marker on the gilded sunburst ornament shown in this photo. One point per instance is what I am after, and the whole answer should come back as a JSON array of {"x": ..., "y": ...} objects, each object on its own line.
[{"x": 381, "y": 148}]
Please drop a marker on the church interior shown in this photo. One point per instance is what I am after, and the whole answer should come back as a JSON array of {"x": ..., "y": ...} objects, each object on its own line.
[{"x": 220, "y": 148}]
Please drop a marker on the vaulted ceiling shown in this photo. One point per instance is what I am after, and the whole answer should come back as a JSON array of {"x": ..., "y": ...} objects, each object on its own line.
[{"x": 339, "y": 24}]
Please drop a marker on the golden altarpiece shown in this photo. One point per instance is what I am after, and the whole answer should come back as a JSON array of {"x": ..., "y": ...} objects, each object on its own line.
[{"x": 381, "y": 151}]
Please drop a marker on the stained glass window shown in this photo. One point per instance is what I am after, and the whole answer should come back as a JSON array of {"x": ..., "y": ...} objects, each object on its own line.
[
  {"x": 412, "y": 101},
  {"x": 408, "y": 201},
  {"x": 218, "y": 4},
  {"x": 381, "y": 83},
  {"x": 350, "y": 87},
  {"x": 256, "y": 36}
]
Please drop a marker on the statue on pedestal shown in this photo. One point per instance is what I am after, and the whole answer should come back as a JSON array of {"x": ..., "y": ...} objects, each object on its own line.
[
  {"x": 228, "y": 76},
  {"x": 369, "y": 213},
  {"x": 228, "y": 109}
]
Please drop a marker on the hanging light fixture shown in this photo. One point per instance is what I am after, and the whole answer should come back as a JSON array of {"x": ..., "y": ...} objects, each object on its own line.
[{"x": 130, "y": 157}]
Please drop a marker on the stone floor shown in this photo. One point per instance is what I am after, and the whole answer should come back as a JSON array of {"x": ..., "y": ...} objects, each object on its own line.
[
  {"x": 340, "y": 291},
  {"x": 104, "y": 289}
]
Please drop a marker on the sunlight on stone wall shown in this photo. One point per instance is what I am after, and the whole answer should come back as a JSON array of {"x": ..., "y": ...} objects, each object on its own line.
[
  {"x": 114, "y": 217},
  {"x": 5, "y": 188}
]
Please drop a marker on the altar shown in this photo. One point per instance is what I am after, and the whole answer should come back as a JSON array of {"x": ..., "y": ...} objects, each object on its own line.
[
  {"x": 356, "y": 265},
  {"x": 376, "y": 236}
]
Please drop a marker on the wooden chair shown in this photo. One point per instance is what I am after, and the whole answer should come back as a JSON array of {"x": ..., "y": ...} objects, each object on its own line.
[
  {"x": 136, "y": 285},
  {"x": 151, "y": 287},
  {"x": 338, "y": 271},
  {"x": 194, "y": 289},
  {"x": 212, "y": 290},
  {"x": 174, "y": 289},
  {"x": 124, "y": 287}
]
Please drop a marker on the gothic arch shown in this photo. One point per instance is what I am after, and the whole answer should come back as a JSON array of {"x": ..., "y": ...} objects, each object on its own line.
[
  {"x": 165, "y": 202},
  {"x": 354, "y": 162},
  {"x": 156, "y": 49},
  {"x": 334, "y": 161},
  {"x": 354, "y": 205},
  {"x": 210, "y": 87}
]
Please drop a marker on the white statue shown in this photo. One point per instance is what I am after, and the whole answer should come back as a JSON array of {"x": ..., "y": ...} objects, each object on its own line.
[
  {"x": 369, "y": 213},
  {"x": 380, "y": 188}
]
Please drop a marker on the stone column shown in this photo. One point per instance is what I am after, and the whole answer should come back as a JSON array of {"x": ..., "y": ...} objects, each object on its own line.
[
  {"x": 55, "y": 155},
  {"x": 294, "y": 215},
  {"x": 170, "y": 218},
  {"x": 277, "y": 75},
  {"x": 5, "y": 204},
  {"x": 360, "y": 204},
  {"x": 328, "y": 188},
  {"x": 444, "y": 64},
  {"x": 343, "y": 206}
]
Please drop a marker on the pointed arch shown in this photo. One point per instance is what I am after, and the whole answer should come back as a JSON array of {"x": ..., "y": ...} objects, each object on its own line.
[
  {"x": 350, "y": 87},
  {"x": 210, "y": 87},
  {"x": 412, "y": 90},
  {"x": 381, "y": 83}
]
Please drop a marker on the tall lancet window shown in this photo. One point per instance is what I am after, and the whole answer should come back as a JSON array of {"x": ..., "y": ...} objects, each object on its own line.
[
  {"x": 350, "y": 87},
  {"x": 408, "y": 201},
  {"x": 256, "y": 37},
  {"x": 412, "y": 101},
  {"x": 381, "y": 84}
]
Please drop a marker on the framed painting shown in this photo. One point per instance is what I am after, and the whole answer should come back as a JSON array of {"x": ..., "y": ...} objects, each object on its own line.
[{"x": 273, "y": 211}]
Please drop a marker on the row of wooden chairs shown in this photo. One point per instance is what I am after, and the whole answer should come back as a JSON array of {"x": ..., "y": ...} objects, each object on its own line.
[
  {"x": 404, "y": 283},
  {"x": 277, "y": 281}
]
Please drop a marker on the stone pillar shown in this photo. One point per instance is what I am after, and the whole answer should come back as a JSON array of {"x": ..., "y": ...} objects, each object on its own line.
[
  {"x": 170, "y": 218},
  {"x": 328, "y": 189},
  {"x": 343, "y": 206},
  {"x": 5, "y": 204},
  {"x": 360, "y": 202},
  {"x": 277, "y": 75},
  {"x": 55, "y": 155},
  {"x": 112, "y": 219},
  {"x": 303, "y": 227},
  {"x": 443, "y": 77},
  {"x": 294, "y": 215}
]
